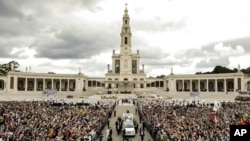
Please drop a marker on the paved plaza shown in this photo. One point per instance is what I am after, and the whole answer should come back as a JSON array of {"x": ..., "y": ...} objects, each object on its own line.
[
  {"x": 120, "y": 109},
  {"x": 219, "y": 96}
]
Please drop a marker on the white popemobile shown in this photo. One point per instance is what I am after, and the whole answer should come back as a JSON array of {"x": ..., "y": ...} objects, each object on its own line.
[{"x": 128, "y": 127}]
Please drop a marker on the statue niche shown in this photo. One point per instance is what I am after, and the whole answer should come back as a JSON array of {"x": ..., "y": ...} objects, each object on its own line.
[
  {"x": 134, "y": 68},
  {"x": 117, "y": 66}
]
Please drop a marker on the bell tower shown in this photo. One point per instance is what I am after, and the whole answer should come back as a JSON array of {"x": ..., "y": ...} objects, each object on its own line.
[
  {"x": 126, "y": 34},
  {"x": 125, "y": 73}
]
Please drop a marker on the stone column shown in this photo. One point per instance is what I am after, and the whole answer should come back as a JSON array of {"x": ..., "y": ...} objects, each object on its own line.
[
  {"x": 15, "y": 83},
  {"x": 207, "y": 86},
  {"x": 190, "y": 85},
  {"x": 35, "y": 84},
  {"x": 86, "y": 84},
  {"x": 199, "y": 89},
  {"x": 52, "y": 83},
  {"x": 68, "y": 85},
  {"x": 235, "y": 84},
  {"x": 164, "y": 85},
  {"x": 44, "y": 83},
  {"x": 26, "y": 84},
  {"x": 215, "y": 85},
  {"x": 60, "y": 84},
  {"x": 242, "y": 83},
  {"x": 225, "y": 84},
  {"x": 182, "y": 85}
]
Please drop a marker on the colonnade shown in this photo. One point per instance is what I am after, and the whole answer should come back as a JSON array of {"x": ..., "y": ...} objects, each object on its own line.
[
  {"x": 209, "y": 85},
  {"x": 39, "y": 84}
]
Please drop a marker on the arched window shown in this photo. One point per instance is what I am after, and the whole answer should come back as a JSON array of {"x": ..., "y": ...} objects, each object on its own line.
[
  {"x": 126, "y": 40},
  {"x": 126, "y": 21}
]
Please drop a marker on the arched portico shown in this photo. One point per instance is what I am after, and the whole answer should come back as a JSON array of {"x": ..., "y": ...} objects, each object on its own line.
[
  {"x": 30, "y": 85},
  {"x": 40, "y": 85},
  {"x": 21, "y": 84}
]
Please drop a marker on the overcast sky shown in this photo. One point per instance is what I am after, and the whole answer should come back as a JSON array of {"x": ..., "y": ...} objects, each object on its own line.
[{"x": 62, "y": 35}]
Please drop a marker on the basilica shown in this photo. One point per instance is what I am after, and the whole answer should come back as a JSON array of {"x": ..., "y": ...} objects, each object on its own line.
[{"x": 125, "y": 74}]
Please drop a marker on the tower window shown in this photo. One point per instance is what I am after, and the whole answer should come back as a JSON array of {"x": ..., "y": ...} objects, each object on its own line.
[
  {"x": 126, "y": 21},
  {"x": 126, "y": 40}
]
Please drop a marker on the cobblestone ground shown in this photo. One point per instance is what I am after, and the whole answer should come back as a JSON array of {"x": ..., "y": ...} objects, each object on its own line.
[{"x": 120, "y": 109}]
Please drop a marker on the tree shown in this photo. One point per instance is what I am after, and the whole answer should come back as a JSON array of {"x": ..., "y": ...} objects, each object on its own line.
[
  {"x": 161, "y": 76},
  {"x": 5, "y": 68},
  {"x": 246, "y": 71},
  {"x": 51, "y": 72},
  {"x": 220, "y": 69}
]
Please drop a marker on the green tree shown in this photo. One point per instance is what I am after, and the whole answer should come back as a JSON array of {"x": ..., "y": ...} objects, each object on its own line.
[
  {"x": 246, "y": 71},
  {"x": 161, "y": 76},
  {"x": 51, "y": 73},
  {"x": 220, "y": 69},
  {"x": 5, "y": 68}
]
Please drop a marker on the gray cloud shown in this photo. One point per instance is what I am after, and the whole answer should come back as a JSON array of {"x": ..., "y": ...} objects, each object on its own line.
[
  {"x": 8, "y": 46},
  {"x": 160, "y": 58},
  {"x": 75, "y": 42},
  {"x": 158, "y": 25},
  {"x": 4, "y": 53},
  {"x": 244, "y": 42},
  {"x": 192, "y": 53},
  {"x": 155, "y": 53},
  {"x": 212, "y": 62},
  {"x": 157, "y": 57},
  {"x": 9, "y": 9},
  {"x": 216, "y": 49},
  {"x": 34, "y": 23}
]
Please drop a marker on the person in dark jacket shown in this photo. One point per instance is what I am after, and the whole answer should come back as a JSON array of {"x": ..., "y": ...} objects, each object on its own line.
[
  {"x": 109, "y": 138},
  {"x": 142, "y": 134}
]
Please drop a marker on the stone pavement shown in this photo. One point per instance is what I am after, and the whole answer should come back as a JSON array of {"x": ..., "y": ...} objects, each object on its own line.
[{"x": 120, "y": 109}]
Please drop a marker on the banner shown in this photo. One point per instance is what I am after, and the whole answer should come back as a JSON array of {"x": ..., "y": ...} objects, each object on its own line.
[
  {"x": 49, "y": 92},
  {"x": 194, "y": 94}
]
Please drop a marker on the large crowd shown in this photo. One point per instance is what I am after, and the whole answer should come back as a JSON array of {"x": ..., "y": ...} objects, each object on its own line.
[
  {"x": 49, "y": 121},
  {"x": 192, "y": 121},
  {"x": 165, "y": 120}
]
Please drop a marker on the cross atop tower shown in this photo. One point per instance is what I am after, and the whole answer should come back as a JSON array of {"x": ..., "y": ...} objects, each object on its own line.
[{"x": 126, "y": 10}]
